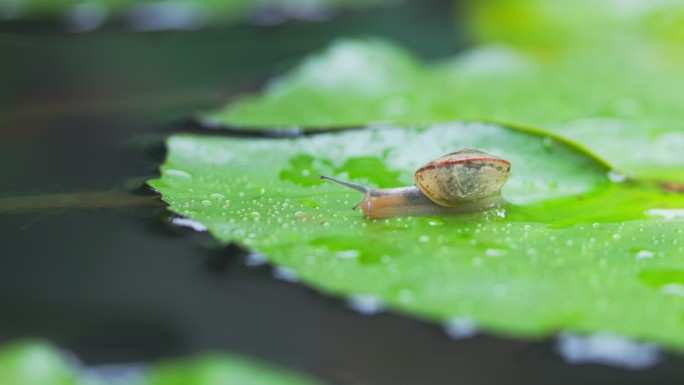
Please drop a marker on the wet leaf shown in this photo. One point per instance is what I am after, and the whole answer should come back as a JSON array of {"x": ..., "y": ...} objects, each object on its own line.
[
  {"x": 570, "y": 251},
  {"x": 351, "y": 83},
  {"x": 580, "y": 254},
  {"x": 222, "y": 369},
  {"x": 35, "y": 363},
  {"x": 620, "y": 100}
]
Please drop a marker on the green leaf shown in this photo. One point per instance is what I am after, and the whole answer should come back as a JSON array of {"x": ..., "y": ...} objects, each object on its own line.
[
  {"x": 215, "y": 369},
  {"x": 622, "y": 103},
  {"x": 351, "y": 83},
  {"x": 554, "y": 23},
  {"x": 39, "y": 363},
  {"x": 570, "y": 252},
  {"x": 33, "y": 362}
]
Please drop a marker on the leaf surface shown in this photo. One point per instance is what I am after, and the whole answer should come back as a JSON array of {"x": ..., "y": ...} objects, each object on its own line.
[
  {"x": 622, "y": 103},
  {"x": 570, "y": 251}
]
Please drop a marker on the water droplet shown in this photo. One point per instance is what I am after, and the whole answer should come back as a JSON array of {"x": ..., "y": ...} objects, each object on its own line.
[
  {"x": 666, "y": 213},
  {"x": 434, "y": 221},
  {"x": 176, "y": 172},
  {"x": 217, "y": 196},
  {"x": 643, "y": 254},
  {"x": 616, "y": 177},
  {"x": 206, "y": 202},
  {"x": 423, "y": 238}
]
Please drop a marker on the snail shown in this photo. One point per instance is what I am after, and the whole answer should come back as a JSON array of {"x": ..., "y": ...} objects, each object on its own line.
[{"x": 465, "y": 180}]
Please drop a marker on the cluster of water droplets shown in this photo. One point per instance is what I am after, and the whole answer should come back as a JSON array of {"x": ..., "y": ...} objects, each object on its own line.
[{"x": 467, "y": 264}]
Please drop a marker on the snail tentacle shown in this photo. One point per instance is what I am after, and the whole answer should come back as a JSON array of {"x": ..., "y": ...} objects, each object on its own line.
[
  {"x": 358, "y": 187},
  {"x": 355, "y": 186}
]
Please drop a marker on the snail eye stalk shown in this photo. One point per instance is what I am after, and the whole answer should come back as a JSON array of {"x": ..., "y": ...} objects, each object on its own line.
[{"x": 351, "y": 185}]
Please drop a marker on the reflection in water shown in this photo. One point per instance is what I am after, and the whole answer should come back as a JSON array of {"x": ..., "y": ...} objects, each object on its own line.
[
  {"x": 285, "y": 274},
  {"x": 75, "y": 201},
  {"x": 365, "y": 304},
  {"x": 608, "y": 349},
  {"x": 123, "y": 374},
  {"x": 255, "y": 259},
  {"x": 163, "y": 15},
  {"x": 189, "y": 223},
  {"x": 461, "y": 327}
]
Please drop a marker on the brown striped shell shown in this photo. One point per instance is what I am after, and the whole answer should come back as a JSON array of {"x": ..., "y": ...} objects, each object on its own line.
[{"x": 462, "y": 176}]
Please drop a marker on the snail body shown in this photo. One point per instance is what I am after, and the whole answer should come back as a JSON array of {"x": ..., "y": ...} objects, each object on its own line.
[{"x": 465, "y": 180}]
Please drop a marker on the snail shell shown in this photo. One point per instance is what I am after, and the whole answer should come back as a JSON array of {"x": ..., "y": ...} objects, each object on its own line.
[
  {"x": 462, "y": 176},
  {"x": 465, "y": 180}
]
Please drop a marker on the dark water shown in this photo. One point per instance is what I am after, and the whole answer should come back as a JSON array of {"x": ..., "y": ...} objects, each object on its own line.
[{"x": 98, "y": 272}]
